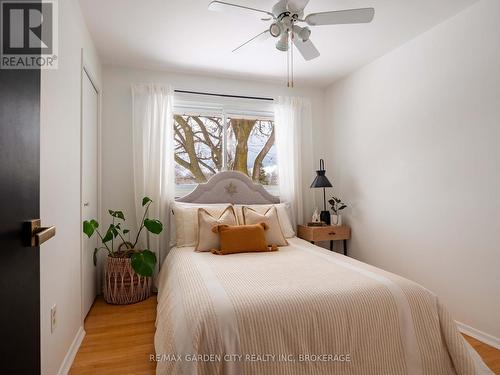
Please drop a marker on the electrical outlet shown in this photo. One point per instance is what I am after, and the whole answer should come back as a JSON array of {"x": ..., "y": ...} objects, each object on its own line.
[{"x": 53, "y": 318}]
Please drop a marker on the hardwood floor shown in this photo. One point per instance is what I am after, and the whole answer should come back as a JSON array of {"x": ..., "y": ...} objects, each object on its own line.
[
  {"x": 490, "y": 355},
  {"x": 119, "y": 340}
]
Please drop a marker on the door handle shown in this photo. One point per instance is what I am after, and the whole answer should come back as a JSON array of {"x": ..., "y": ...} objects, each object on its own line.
[
  {"x": 86, "y": 204},
  {"x": 37, "y": 234}
]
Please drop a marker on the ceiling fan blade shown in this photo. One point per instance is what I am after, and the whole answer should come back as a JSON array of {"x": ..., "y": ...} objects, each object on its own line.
[
  {"x": 260, "y": 37},
  {"x": 307, "y": 49},
  {"x": 362, "y": 15},
  {"x": 297, "y": 5},
  {"x": 221, "y": 6}
]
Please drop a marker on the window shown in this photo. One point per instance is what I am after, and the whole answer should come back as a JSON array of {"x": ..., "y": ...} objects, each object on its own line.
[{"x": 211, "y": 140}]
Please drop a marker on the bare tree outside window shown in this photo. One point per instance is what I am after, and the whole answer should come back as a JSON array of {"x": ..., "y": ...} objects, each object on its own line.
[
  {"x": 201, "y": 141},
  {"x": 198, "y": 148}
]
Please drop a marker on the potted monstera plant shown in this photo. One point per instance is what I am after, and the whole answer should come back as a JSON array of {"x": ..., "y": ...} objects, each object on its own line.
[{"x": 128, "y": 270}]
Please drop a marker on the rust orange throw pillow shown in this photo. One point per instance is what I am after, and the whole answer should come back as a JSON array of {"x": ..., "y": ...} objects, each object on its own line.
[{"x": 242, "y": 239}]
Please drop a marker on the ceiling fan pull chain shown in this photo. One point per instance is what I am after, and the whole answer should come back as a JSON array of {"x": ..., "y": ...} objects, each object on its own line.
[
  {"x": 291, "y": 55},
  {"x": 288, "y": 58},
  {"x": 288, "y": 62},
  {"x": 287, "y": 66}
]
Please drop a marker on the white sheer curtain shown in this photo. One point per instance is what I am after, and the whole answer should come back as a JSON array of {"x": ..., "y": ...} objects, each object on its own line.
[
  {"x": 293, "y": 128},
  {"x": 153, "y": 149}
]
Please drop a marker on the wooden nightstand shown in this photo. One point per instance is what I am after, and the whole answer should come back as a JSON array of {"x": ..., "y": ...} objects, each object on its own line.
[{"x": 328, "y": 233}]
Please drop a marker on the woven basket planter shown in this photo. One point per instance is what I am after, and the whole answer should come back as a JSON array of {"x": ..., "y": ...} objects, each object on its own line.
[{"x": 122, "y": 286}]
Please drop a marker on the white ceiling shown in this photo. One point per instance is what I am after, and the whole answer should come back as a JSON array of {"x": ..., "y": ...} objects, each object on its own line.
[{"x": 184, "y": 35}]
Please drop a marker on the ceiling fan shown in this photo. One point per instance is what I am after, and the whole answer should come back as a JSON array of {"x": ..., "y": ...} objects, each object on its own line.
[{"x": 286, "y": 16}]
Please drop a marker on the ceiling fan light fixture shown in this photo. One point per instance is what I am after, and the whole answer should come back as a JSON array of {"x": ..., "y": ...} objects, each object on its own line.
[
  {"x": 282, "y": 43},
  {"x": 304, "y": 34},
  {"x": 275, "y": 30}
]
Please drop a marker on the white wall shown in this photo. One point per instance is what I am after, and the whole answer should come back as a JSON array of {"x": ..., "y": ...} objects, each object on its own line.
[
  {"x": 415, "y": 149},
  {"x": 60, "y": 186},
  {"x": 117, "y": 181}
]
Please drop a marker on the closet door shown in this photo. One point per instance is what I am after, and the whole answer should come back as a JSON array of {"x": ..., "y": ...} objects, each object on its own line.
[{"x": 90, "y": 155}]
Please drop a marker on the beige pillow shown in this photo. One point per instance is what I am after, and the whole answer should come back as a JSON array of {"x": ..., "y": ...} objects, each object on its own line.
[
  {"x": 186, "y": 220},
  {"x": 283, "y": 215},
  {"x": 274, "y": 235},
  {"x": 207, "y": 239}
]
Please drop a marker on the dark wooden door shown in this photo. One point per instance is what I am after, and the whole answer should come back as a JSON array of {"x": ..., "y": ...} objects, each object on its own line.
[{"x": 19, "y": 202}]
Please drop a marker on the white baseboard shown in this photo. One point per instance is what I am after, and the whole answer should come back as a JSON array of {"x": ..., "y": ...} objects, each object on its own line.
[
  {"x": 71, "y": 354},
  {"x": 479, "y": 335}
]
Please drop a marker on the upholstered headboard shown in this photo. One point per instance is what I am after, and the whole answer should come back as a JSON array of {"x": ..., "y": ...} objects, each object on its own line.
[{"x": 230, "y": 187}]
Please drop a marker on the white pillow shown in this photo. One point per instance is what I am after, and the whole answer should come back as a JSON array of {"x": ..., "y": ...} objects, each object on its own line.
[
  {"x": 283, "y": 215},
  {"x": 186, "y": 220},
  {"x": 274, "y": 235},
  {"x": 208, "y": 240}
]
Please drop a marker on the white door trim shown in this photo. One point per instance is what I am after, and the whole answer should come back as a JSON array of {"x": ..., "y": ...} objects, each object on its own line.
[{"x": 86, "y": 70}]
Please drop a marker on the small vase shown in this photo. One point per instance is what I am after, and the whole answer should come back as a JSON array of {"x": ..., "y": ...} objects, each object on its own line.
[
  {"x": 336, "y": 219},
  {"x": 325, "y": 217}
]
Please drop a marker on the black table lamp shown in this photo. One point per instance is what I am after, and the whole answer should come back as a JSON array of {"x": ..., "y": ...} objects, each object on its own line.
[{"x": 321, "y": 181}]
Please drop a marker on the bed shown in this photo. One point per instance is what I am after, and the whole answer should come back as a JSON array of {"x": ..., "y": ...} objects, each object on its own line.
[{"x": 300, "y": 310}]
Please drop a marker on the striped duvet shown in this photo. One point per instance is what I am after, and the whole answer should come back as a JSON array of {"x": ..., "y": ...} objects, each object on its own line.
[{"x": 300, "y": 310}]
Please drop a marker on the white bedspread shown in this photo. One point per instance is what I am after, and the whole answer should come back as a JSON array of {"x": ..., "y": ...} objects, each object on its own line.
[{"x": 300, "y": 310}]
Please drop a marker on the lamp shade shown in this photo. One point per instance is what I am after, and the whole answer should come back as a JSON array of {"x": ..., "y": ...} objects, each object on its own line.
[{"x": 321, "y": 181}]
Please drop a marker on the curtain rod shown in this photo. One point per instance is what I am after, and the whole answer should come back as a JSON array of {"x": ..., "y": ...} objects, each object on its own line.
[{"x": 223, "y": 95}]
